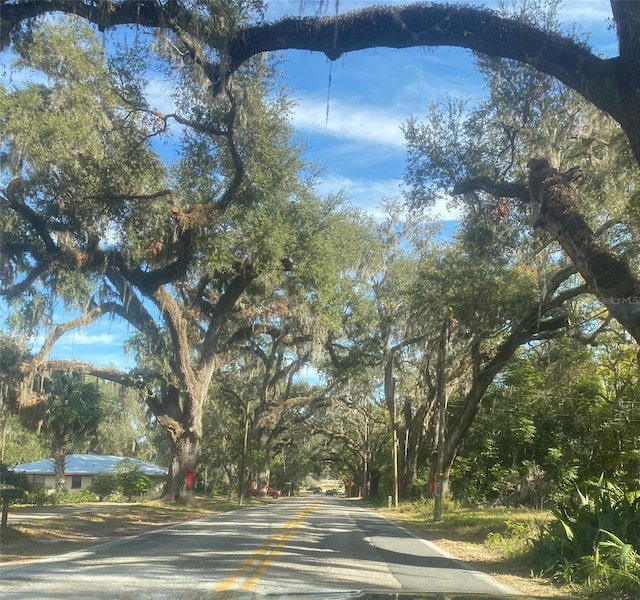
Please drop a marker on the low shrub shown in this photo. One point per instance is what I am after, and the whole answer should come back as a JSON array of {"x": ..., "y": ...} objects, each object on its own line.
[
  {"x": 79, "y": 496},
  {"x": 106, "y": 484},
  {"x": 126, "y": 480},
  {"x": 594, "y": 538},
  {"x": 516, "y": 541},
  {"x": 42, "y": 496}
]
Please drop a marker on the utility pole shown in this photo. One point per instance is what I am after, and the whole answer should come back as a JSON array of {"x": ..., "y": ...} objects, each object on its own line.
[
  {"x": 365, "y": 469},
  {"x": 442, "y": 410},
  {"x": 243, "y": 456},
  {"x": 395, "y": 442},
  {"x": 390, "y": 397}
]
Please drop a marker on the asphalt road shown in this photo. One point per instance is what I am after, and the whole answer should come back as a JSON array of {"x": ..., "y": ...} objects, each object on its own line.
[{"x": 295, "y": 546}]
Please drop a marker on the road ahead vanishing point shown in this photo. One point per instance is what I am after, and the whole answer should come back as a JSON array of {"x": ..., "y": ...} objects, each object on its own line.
[{"x": 295, "y": 546}]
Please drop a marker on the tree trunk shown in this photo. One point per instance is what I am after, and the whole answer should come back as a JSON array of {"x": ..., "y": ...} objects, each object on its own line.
[
  {"x": 182, "y": 471},
  {"x": 411, "y": 444},
  {"x": 260, "y": 478},
  {"x": 180, "y": 415},
  {"x": 441, "y": 383},
  {"x": 608, "y": 275},
  {"x": 58, "y": 447}
]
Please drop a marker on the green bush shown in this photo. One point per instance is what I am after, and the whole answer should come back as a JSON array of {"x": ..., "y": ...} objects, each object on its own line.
[
  {"x": 39, "y": 496},
  {"x": 516, "y": 541},
  {"x": 125, "y": 480},
  {"x": 79, "y": 496},
  {"x": 106, "y": 484},
  {"x": 594, "y": 538},
  {"x": 134, "y": 483}
]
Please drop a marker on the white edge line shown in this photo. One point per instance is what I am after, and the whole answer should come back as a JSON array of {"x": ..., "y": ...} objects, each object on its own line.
[{"x": 507, "y": 589}]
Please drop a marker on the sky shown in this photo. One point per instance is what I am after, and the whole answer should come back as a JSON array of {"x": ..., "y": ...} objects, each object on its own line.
[
  {"x": 349, "y": 115},
  {"x": 350, "y": 112}
]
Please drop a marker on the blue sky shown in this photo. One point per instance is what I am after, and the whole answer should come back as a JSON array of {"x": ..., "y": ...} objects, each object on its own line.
[
  {"x": 349, "y": 114},
  {"x": 373, "y": 92}
]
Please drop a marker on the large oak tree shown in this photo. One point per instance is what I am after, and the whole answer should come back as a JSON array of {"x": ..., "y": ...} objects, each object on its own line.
[
  {"x": 219, "y": 43},
  {"x": 187, "y": 254}
]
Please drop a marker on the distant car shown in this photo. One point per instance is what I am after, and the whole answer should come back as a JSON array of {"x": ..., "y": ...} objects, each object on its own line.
[
  {"x": 317, "y": 490},
  {"x": 331, "y": 492}
]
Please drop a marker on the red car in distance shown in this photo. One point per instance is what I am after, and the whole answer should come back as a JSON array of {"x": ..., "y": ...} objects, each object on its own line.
[{"x": 267, "y": 491}]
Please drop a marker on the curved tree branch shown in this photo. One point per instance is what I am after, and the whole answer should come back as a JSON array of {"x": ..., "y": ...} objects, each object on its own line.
[
  {"x": 13, "y": 291},
  {"x": 613, "y": 85},
  {"x": 417, "y": 24},
  {"x": 106, "y": 373},
  {"x": 499, "y": 189},
  {"x": 59, "y": 330}
]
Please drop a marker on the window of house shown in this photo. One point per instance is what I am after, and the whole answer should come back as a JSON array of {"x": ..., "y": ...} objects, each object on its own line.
[
  {"x": 38, "y": 479},
  {"x": 76, "y": 482}
]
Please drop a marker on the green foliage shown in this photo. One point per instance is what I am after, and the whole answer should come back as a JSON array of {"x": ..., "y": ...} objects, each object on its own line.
[
  {"x": 515, "y": 541},
  {"x": 72, "y": 412},
  {"x": 123, "y": 428},
  {"x": 595, "y": 537},
  {"x": 126, "y": 479},
  {"x": 41, "y": 496},
  {"x": 563, "y": 406},
  {"x": 20, "y": 444},
  {"x": 105, "y": 484},
  {"x": 226, "y": 239},
  {"x": 134, "y": 483}
]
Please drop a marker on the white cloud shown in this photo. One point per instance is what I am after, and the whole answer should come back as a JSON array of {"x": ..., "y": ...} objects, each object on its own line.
[
  {"x": 585, "y": 11},
  {"x": 442, "y": 211},
  {"x": 91, "y": 339},
  {"x": 365, "y": 124},
  {"x": 80, "y": 338},
  {"x": 158, "y": 94},
  {"x": 367, "y": 194}
]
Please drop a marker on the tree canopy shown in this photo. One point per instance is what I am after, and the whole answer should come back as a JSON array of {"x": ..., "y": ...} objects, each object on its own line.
[{"x": 224, "y": 35}]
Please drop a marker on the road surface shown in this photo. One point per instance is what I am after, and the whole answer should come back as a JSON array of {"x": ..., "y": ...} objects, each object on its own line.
[{"x": 291, "y": 546}]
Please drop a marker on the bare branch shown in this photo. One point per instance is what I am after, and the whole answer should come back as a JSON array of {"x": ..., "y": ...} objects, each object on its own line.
[{"x": 59, "y": 330}]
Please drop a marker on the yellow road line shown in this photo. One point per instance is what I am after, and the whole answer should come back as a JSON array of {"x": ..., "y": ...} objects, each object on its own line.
[{"x": 254, "y": 567}]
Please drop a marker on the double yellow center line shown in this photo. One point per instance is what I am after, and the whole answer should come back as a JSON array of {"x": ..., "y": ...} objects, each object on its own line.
[{"x": 255, "y": 566}]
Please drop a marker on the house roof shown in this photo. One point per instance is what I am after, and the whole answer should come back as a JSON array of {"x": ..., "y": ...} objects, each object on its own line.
[{"x": 87, "y": 464}]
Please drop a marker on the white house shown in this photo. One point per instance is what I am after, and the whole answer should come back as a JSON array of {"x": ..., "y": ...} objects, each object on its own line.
[{"x": 80, "y": 469}]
